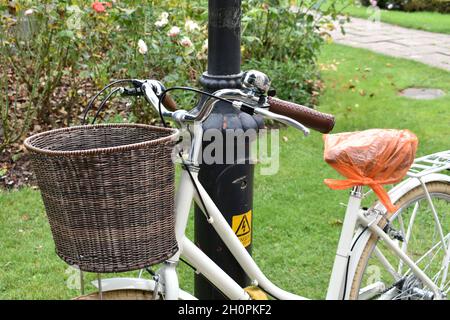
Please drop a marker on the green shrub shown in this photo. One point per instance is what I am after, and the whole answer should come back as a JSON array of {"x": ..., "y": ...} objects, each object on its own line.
[
  {"x": 292, "y": 81},
  {"x": 37, "y": 48},
  {"x": 62, "y": 46},
  {"x": 428, "y": 5},
  {"x": 284, "y": 42},
  {"x": 442, "y": 6},
  {"x": 14, "y": 120}
]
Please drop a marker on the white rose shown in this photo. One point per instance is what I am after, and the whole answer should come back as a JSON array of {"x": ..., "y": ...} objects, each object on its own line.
[
  {"x": 294, "y": 9},
  {"x": 161, "y": 23},
  {"x": 142, "y": 47},
  {"x": 201, "y": 56},
  {"x": 173, "y": 32},
  {"x": 186, "y": 42},
  {"x": 164, "y": 16},
  {"x": 191, "y": 26}
]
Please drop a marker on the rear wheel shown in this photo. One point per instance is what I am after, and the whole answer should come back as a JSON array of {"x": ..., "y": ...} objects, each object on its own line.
[{"x": 419, "y": 234}]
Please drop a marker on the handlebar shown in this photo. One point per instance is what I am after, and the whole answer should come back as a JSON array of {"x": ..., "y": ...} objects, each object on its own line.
[
  {"x": 246, "y": 100},
  {"x": 169, "y": 103},
  {"x": 311, "y": 118}
]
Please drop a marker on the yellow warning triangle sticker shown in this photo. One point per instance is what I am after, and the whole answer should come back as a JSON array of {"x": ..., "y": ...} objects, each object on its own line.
[{"x": 243, "y": 228}]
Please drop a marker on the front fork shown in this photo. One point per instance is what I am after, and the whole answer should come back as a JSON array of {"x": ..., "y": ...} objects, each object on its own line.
[{"x": 169, "y": 280}]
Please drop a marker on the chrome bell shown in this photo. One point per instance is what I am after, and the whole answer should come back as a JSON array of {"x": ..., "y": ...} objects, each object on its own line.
[{"x": 256, "y": 80}]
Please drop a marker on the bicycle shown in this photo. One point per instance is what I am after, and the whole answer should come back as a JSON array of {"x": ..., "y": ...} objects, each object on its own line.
[{"x": 369, "y": 238}]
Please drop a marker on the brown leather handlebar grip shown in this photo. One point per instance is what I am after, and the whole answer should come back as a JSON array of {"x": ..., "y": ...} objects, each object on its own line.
[
  {"x": 322, "y": 122},
  {"x": 169, "y": 103}
]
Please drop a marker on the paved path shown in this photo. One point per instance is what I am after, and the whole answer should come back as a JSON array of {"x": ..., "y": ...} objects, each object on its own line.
[{"x": 427, "y": 47}]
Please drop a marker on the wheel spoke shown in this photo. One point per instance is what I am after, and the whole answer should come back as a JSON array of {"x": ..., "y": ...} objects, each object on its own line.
[
  {"x": 446, "y": 288},
  {"x": 384, "y": 261},
  {"x": 436, "y": 276},
  {"x": 404, "y": 244},
  {"x": 427, "y": 254},
  {"x": 435, "y": 215},
  {"x": 445, "y": 265},
  {"x": 408, "y": 233},
  {"x": 431, "y": 259}
]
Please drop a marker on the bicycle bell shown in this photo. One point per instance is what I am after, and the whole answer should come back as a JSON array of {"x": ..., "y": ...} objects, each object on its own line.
[{"x": 256, "y": 81}]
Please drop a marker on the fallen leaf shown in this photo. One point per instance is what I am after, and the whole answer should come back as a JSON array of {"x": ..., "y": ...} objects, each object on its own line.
[
  {"x": 336, "y": 222},
  {"x": 16, "y": 157},
  {"x": 3, "y": 172},
  {"x": 285, "y": 139}
]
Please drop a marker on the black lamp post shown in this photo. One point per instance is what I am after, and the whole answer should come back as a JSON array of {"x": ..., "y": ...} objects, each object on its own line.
[{"x": 230, "y": 185}]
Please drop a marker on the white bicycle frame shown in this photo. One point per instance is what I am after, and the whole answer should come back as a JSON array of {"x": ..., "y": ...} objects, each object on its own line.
[{"x": 355, "y": 217}]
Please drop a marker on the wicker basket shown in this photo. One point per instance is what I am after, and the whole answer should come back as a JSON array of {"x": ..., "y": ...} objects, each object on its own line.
[{"x": 109, "y": 194}]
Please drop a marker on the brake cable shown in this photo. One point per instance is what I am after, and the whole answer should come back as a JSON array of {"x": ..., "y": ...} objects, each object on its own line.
[
  {"x": 100, "y": 108},
  {"x": 348, "y": 262},
  {"x": 185, "y": 165},
  {"x": 166, "y": 91},
  {"x": 91, "y": 102}
]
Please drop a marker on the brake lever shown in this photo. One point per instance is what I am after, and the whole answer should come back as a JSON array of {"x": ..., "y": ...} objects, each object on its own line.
[
  {"x": 152, "y": 90},
  {"x": 266, "y": 113},
  {"x": 283, "y": 119}
]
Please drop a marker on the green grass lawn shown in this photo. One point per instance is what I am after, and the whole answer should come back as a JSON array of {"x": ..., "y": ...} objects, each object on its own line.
[
  {"x": 296, "y": 217},
  {"x": 428, "y": 21}
]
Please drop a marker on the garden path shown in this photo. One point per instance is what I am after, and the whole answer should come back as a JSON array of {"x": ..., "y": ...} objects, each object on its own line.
[{"x": 426, "y": 47}]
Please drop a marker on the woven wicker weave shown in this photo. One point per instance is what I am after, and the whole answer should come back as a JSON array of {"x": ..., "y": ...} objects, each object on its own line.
[{"x": 109, "y": 194}]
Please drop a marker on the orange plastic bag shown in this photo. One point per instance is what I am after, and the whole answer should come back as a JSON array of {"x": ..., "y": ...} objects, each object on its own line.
[{"x": 373, "y": 157}]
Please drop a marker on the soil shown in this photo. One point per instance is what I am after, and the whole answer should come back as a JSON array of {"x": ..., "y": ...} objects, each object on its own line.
[{"x": 17, "y": 173}]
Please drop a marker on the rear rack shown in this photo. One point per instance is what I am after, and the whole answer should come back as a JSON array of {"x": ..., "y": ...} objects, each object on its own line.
[{"x": 432, "y": 163}]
